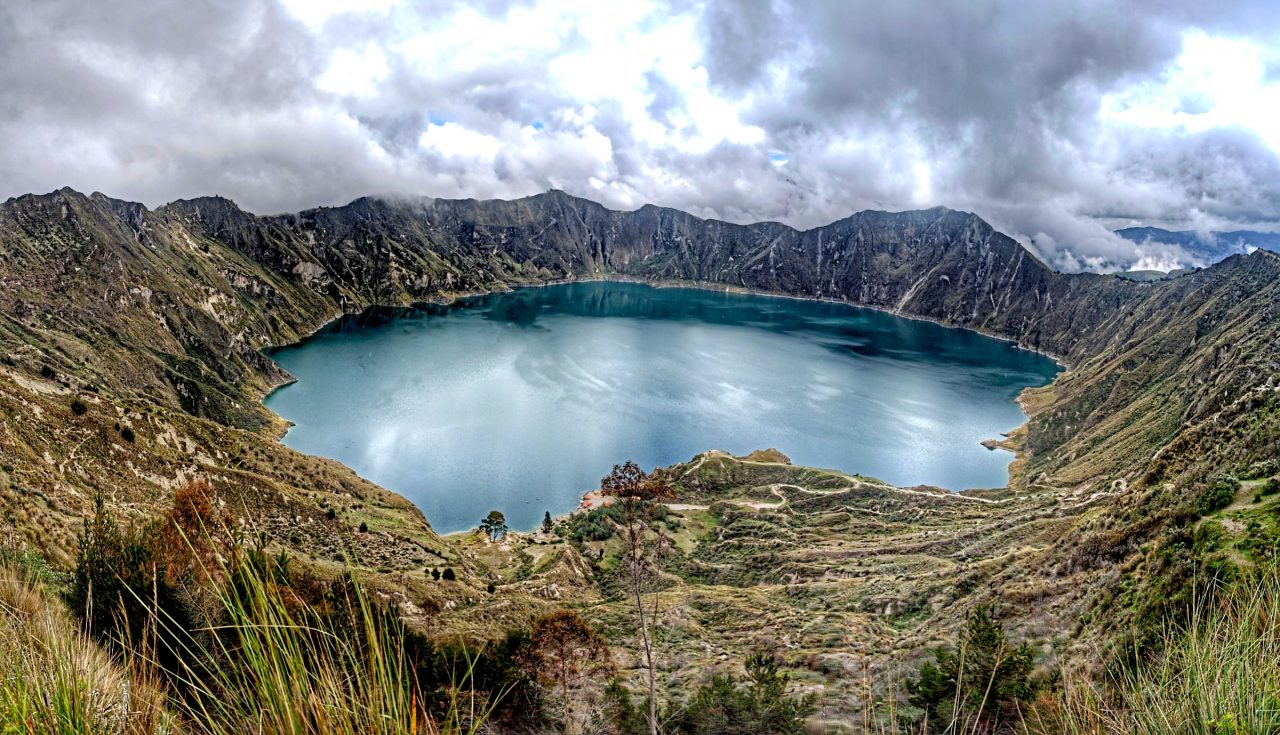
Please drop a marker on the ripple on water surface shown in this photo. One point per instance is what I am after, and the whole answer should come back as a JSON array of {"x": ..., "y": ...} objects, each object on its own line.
[{"x": 522, "y": 401}]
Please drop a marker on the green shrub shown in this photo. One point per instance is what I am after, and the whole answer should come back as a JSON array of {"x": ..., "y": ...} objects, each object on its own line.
[
  {"x": 28, "y": 565},
  {"x": 79, "y": 407},
  {"x": 600, "y": 523},
  {"x": 626, "y": 716},
  {"x": 113, "y": 572},
  {"x": 1271, "y": 487},
  {"x": 979, "y": 686},
  {"x": 119, "y": 587},
  {"x": 497, "y": 672},
  {"x": 1218, "y": 495},
  {"x": 126, "y": 433},
  {"x": 596, "y": 524},
  {"x": 1258, "y": 470},
  {"x": 757, "y": 704}
]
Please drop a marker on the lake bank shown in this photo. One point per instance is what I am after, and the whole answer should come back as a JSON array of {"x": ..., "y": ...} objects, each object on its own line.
[{"x": 490, "y": 382}]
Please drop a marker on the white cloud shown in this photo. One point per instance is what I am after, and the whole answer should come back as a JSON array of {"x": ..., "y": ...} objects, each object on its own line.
[
  {"x": 355, "y": 71},
  {"x": 455, "y": 141},
  {"x": 315, "y": 13},
  {"x": 1215, "y": 82}
]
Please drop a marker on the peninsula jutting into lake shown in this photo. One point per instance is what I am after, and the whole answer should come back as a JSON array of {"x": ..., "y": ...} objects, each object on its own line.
[{"x": 522, "y": 401}]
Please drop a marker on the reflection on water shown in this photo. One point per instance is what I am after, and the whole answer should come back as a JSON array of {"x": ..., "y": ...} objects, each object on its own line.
[{"x": 522, "y": 401}]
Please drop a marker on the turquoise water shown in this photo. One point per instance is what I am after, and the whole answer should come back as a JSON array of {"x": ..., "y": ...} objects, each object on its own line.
[{"x": 522, "y": 401}]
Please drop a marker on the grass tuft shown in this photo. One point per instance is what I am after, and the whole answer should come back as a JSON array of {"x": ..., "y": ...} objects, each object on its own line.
[
  {"x": 55, "y": 679},
  {"x": 1219, "y": 673},
  {"x": 273, "y": 663}
]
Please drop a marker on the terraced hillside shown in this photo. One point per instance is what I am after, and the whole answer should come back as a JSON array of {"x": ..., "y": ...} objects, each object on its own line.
[{"x": 848, "y": 577}]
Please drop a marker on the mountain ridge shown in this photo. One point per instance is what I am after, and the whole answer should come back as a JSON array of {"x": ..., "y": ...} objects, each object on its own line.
[
  {"x": 155, "y": 320},
  {"x": 940, "y": 264}
]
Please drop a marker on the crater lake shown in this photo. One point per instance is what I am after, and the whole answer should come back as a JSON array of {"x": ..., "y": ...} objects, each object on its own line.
[{"x": 522, "y": 401}]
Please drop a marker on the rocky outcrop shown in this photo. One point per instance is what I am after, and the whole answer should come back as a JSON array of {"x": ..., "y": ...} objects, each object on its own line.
[{"x": 937, "y": 263}]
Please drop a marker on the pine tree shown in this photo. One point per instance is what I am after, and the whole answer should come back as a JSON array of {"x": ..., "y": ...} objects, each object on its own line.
[{"x": 982, "y": 682}]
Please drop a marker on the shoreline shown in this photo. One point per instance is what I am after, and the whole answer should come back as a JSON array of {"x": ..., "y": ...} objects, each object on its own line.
[
  {"x": 709, "y": 286},
  {"x": 280, "y": 433},
  {"x": 725, "y": 288}
]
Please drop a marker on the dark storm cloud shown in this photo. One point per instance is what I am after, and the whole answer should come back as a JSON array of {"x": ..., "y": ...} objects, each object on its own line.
[
  {"x": 743, "y": 38},
  {"x": 796, "y": 111}
]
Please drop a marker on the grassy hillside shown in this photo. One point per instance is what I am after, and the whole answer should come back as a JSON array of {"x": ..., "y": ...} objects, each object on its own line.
[{"x": 130, "y": 364}]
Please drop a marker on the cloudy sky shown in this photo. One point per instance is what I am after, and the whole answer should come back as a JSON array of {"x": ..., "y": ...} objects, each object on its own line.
[{"x": 1054, "y": 120}]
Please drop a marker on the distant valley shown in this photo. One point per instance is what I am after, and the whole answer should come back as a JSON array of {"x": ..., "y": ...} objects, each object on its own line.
[{"x": 1209, "y": 247}]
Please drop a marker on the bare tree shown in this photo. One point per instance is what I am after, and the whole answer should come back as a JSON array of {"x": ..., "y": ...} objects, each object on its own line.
[
  {"x": 565, "y": 651},
  {"x": 636, "y": 493}
]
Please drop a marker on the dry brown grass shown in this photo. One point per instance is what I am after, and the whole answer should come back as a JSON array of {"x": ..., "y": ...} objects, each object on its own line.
[{"x": 54, "y": 679}]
